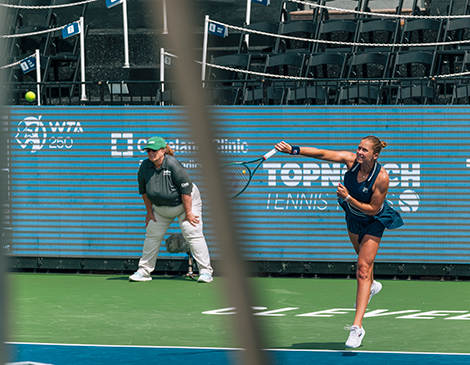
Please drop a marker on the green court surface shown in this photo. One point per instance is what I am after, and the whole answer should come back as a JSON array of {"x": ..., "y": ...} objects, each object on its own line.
[{"x": 294, "y": 313}]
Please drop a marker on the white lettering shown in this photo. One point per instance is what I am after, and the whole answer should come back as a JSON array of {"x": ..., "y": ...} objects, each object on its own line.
[
  {"x": 272, "y": 168},
  {"x": 311, "y": 173},
  {"x": 333, "y": 174},
  {"x": 430, "y": 314},
  {"x": 462, "y": 317},
  {"x": 276, "y": 312},
  {"x": 393, "y": 169},
  {"x": 385, "y": 312},
  {"x": 293, "y": 174},
  {"x": 291, "y": 179},
  {"x": 410, "y": 175},
  {"x": 116, "y": 138},
  {"x": 327, "y": 313},
  {"x": 297, "y": 201},
  {"x": 223, "y": 311}
]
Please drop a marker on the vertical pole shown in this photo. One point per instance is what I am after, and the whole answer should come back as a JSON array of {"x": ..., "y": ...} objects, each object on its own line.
[
  {"x": 165, "y": 19},
  {"x": 126, "y": 34},
  {"x": 162, "y": 74},
  {"x": 38, "y": 76},
  {"x": 247, "y": 21},
  {"x": 82, "y": 58},
  {"x": 204, "y": 47}
]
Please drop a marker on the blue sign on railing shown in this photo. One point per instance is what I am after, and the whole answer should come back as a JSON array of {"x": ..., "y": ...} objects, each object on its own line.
[
  {"x": 70, "y": 30},
  {"x": 218, "y": 29},
  {"x": 111, "y": 3},
  {"x": 28, "y": 64},
  {"x": 263, "y": 2}
]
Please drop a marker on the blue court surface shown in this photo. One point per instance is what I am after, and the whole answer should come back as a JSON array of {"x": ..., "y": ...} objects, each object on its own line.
[{"x": 55, "y": 354}]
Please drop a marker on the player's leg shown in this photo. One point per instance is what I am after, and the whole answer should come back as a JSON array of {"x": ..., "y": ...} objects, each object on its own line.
[
  {"x": 195, "y": 236},
  {"x": 365, "y": 263},
  {"x": 354, "y": 238},
  {"x": 365, "y": 266},
  {"x": 154, "y": 234}
]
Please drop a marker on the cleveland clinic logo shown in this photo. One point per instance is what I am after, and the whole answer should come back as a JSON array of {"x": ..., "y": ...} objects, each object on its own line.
[{"x": 31, "y": 132}]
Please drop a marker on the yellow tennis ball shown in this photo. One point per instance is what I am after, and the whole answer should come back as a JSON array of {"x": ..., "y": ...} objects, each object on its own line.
[{"x": 30, "y": 96}]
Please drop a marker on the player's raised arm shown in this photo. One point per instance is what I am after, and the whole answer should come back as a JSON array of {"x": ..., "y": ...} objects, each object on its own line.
[{"x": 321, "y": 154}]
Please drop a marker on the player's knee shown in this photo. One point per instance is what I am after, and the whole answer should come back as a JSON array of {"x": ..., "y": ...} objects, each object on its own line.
[{"x": 363, "y": 272}]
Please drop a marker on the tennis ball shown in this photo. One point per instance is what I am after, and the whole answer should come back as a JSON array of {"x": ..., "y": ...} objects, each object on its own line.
[{"x": 30, "y": 96}]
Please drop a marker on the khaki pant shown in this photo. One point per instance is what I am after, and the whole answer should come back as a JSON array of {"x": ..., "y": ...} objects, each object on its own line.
[{"x": 193, "y": 235}]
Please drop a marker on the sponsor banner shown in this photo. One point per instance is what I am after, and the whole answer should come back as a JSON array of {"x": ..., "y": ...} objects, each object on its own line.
[{"x": 76, "y": 169}]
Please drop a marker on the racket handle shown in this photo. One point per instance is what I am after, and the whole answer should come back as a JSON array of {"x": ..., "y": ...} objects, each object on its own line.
[{"x": 270, "y": 154}]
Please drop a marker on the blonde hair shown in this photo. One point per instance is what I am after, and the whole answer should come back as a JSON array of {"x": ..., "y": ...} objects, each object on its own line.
[{"x": 377, "y": 144}]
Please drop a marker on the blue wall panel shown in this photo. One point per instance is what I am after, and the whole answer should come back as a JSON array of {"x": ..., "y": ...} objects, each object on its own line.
[{"x": 74, "y": 189}]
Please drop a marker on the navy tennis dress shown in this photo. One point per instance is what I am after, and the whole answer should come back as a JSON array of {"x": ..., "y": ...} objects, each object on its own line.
[{"x": 358, "y": 222}]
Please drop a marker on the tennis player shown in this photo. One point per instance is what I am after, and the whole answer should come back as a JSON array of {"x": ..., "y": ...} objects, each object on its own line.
[
  {"x": 367, "y": 214},
  {"x": 169, "y": 193}
]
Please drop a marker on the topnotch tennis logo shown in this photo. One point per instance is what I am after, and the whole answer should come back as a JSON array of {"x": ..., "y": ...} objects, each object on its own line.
[
  {"x": 292, "y": 174},
  {"x": 31, "y": 132}
]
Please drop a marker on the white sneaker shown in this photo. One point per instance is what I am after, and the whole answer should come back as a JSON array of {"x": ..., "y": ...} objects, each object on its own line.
[
  {"x": 375, "y": 288},
  {"x": 137, "y": 276},
  {"x": 356, "y": 335},
  {"x": 205, "y": 278}
]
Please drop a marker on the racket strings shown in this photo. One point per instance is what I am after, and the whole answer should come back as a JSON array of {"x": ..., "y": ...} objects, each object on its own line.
[{"x": 238, "y": 176}]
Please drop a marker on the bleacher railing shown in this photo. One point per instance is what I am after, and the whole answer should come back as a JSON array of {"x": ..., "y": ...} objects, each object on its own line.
[{"x": 263, "y": 91}]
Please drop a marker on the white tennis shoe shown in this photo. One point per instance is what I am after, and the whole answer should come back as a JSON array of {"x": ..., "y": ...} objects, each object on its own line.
[
  {"x": 137, "y": 276},
  {"x": 375, "y": 288},
  {"x": 205, "y": 278},
  {"x": 356, "y": 334}
]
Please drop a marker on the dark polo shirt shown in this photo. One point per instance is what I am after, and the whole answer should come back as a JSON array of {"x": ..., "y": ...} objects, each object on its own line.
[{"x": 164, "y": 185}]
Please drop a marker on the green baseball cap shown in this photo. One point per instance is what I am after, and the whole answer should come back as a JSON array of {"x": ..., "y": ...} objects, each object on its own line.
[{"x": 155, "y": 143}]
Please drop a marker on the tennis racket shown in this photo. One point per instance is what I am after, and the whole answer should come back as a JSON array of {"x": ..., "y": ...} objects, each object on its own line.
[{"x": 239, "y": 174}]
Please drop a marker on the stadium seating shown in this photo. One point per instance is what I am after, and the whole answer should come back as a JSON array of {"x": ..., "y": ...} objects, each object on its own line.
[{"x": 338, "y": 57}]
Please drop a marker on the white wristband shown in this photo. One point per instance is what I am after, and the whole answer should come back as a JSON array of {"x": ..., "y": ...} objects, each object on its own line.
[{"x": 346, "y": 199}]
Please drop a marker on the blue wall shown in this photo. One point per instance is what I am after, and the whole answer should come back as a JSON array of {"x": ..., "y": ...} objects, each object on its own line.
[{"x": 74, "y": 188}]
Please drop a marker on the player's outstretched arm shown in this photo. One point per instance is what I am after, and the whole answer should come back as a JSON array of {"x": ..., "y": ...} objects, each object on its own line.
[{"x": 321, "y": 154}]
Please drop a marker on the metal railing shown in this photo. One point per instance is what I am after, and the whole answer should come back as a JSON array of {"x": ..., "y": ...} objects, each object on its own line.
[{"x": 438, "y": 91}]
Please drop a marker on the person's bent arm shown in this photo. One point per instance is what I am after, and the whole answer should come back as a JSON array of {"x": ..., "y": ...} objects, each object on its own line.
[
  {"x": 187, "y": 205},
  {"x": 148, "y": 207},
  {"x": 345, "y": 157},
  {"x": 378, "y": 197}
]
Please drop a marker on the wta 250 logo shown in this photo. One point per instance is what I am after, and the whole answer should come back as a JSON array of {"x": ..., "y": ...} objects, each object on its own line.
[{"x": 32, "y": 132}]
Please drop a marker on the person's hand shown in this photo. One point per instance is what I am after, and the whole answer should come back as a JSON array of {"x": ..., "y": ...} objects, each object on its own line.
[
  {"x": 283, "y": 147},
  {"x": 342, "y": 192},
  {"x": 149, "y": 217},
  {"x": 191, "y": 218}
]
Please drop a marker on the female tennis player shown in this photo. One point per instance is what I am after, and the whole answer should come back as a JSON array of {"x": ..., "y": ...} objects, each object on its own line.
[
  {"x": 168, "y": 193},
  {"x": 367, "y": 213}
]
